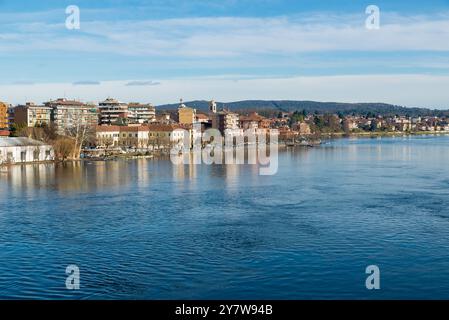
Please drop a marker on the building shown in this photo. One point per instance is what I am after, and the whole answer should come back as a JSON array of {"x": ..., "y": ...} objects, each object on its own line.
[
  {"x": 252, "y": 121},
  {"x": 11, "y": 116},
  {"x": 32, "y": 115},
  {"x": 67, "y": 114},
  {"x": 225, "y": 120},
  {"x": 141, "y": 113},
  {"x": 107, "y": 136},
  {"x": 111, "y": 110},
  {"x": 165, "y": 134},
  {"x": 164, "y": 118},
  {"x": 202, "y": 118},
  {"x": 4, "y": 123},
  {"x": 186, "y": 115},
  {"x": 304, "y": 128},
  {"x": 134, "y": 137},
  {"x": 213, "y": 106},
  {"x": 23, "y": 150}
]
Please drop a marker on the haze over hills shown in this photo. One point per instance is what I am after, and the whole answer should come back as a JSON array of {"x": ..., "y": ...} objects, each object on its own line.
[{"x": 311, "y": 107}]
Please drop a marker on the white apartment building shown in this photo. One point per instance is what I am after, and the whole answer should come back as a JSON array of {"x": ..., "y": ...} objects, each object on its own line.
[
  {"x": 111, "y": 110},
  {"x": 141, "y": 113}
]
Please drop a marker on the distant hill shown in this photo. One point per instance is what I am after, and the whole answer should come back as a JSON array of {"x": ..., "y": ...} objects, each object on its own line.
[{"x": 311, "y": 107}]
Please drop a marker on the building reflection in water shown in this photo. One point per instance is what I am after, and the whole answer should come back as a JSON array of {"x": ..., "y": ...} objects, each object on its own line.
[{"x": 71, "y": 176}]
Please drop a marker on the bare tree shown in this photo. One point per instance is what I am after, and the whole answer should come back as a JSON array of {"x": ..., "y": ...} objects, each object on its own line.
[{"x": 81, "y": 133}]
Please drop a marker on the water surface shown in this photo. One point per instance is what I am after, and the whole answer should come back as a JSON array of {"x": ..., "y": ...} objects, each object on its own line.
[{"x": 146, "y": 229}]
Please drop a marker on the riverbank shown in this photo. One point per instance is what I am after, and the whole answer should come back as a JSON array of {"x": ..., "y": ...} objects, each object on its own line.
[{"x": 385, "y": 134}]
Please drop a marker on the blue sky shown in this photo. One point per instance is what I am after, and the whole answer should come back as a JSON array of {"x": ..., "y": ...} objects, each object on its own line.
[{"x": 196, "y": 49}]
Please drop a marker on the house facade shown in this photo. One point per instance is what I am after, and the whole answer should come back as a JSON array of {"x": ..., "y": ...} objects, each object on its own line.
[{"x": 24, "y": 150}]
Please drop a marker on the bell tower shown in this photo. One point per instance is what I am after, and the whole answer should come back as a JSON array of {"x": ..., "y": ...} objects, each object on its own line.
[{"x": 213, "y": 106}]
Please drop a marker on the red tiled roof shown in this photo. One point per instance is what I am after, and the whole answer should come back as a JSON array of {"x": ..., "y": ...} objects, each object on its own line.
[
  {"x": 252, "y": 117},
  {"x": 108, "y": 128},
  {"x": 163, "y": 127},
  {"x": 201, "y": 116},
  {"x": 133, "y": 129},
  {"x": 4, "y": 133}
]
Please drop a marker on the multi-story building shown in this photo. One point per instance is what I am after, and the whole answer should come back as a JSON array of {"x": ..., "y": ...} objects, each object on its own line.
[
  {"x": 141, "y": 113},
  {"x": 164, "y": 134},
  {"x": 32, "y": 115},
  {"x": 4, "y": 123},
  {"x": 186, "y": 115},
  {"x": 67, "y": 114},
  {"x": 225, "y": 120},
  {"x": 123, "y": 136},
  {"x": 111, "y": 110},
  {"x": 252, "y": 121},
  {"x": 11, "y": 116},
  {"x": 134, "y": 136},
  {"x": 108, "y": 136}
]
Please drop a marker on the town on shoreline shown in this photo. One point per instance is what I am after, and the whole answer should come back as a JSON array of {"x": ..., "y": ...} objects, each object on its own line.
[{"x": 65, "y": 129}]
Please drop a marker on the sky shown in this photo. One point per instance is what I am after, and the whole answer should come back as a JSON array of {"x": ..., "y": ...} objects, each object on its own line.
[{"x": 159, "y": 51}]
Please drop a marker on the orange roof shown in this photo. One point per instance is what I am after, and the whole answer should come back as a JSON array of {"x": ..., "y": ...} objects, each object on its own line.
[
  {"x": 163, "y": 127},
  {"x": 253, "y": 116},
  {"x": 108, "y": 128},
  {"x": 201, "y": 116},
  {"x": 133, "y": 128},
  {"x": 4, "y": 133}
]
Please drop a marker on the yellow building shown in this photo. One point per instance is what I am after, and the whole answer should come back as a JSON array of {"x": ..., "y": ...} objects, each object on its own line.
[
  {"x": 186, "y": 115},
  {"x": 3, "y": 115}
]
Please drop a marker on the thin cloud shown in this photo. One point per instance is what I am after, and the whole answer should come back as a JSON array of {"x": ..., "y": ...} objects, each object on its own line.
[
  {"x": 25, "y": 83},
  {"x": 142, "y": 83},
  {"x": 86, "y": 83}
]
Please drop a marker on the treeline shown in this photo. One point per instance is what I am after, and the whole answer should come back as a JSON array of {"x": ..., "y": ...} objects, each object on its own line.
[{"x": 274, "y": 106}]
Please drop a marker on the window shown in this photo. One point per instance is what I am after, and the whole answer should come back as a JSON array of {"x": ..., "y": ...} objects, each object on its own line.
[
  {"x": 36, "y": 154},
  {"x": 23, "y": 156}
]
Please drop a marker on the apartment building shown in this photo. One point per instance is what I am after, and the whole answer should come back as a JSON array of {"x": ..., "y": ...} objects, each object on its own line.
[
  {"x": 111, "y": 110},
  {"x": 67, "y": 114},
  {"x": 225, "y": 120},
  {"x": 32, "y": 115},
  {"x": 141, "y": 113}
]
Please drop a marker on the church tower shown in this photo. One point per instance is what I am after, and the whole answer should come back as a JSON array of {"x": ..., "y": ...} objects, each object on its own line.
[{"x": 213, "y": 106}]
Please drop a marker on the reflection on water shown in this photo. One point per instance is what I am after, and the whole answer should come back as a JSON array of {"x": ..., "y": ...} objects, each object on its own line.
[{"x": 148, "y": 229}]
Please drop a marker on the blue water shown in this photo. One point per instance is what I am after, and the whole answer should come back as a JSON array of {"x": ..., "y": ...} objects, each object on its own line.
[{"x": 146, "y": 229}]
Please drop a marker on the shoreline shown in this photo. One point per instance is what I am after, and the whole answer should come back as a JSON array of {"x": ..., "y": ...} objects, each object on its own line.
[
  {"x": 159, "y": 155},
  {"x": 385, "y": 134}
]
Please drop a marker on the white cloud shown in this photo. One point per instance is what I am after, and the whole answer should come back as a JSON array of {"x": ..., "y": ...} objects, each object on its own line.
[{"x": 233, "y": 36}]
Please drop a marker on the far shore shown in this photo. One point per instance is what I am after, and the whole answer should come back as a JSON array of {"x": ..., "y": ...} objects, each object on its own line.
[{"x": 159, "y": 155}]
